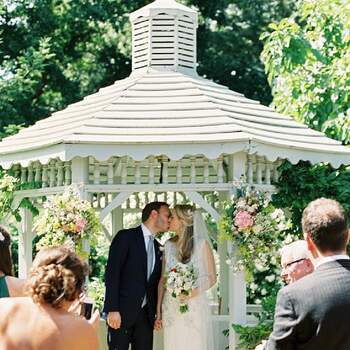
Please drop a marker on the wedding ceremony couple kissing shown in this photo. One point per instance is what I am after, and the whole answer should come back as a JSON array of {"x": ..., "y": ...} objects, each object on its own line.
[{"x": 149, "y": 289}]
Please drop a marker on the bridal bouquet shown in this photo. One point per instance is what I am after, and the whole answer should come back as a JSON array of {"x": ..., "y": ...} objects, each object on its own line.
[
  {"x": 180, "y": 281},
  {"x": 68, "y": 220}
]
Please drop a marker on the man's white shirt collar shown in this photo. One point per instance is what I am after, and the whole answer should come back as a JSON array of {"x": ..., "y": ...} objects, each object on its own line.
[
  {"x": 327, "y": 259},
  {"x": 146, "y": 231}
]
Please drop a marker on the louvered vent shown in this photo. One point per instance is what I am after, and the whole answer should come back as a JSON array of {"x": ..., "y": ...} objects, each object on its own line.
[
  {"x": 163, "y": 41},
  {"x": 164, "y": 37},
  {"x": 141, "y": 43},
  {"x": 186, "y": 42}
]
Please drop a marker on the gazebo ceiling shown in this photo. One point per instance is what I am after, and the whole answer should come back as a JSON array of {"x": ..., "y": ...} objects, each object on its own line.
[{"x": 164, "y": 107}]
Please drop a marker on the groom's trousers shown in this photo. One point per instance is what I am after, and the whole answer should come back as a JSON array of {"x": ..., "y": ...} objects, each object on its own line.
[{"x": 140, "y": 335}]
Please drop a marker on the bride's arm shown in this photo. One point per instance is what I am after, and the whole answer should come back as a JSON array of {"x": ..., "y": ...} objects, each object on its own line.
[
  {"x": 161, "y": 291},
  {"x": 209, "y": 268}
]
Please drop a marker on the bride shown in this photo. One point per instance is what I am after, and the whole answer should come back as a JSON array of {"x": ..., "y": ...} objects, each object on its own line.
[{"x": 191, "y": 330}]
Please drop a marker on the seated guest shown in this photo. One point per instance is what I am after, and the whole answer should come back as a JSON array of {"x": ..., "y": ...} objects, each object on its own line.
[
  {"x": 296, "y": 261},
  {"x": 9, "y": 285},
  {"x": 42, "y": 321}
]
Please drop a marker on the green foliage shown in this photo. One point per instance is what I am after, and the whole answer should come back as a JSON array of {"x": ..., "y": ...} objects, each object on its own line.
[
  {"x": 301, "y": 183},
  {"x": 307, "y": 58},
  {"x": 250, "y": 337},
  {"x": 10, "y": 130},
  {"x": 96, "y": 290},
  {"x": 75, "y": 47},
  {"x": 98, "y": 257}
]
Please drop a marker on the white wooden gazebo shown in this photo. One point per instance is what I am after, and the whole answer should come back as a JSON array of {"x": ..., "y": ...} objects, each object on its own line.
[{"x": 162, "y": 130}]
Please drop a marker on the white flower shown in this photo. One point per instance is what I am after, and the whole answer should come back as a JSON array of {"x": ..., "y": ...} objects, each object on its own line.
[
  {"x": 270, "y": 278},
  {"x": 281, "y": 226},
  {"x": 263, "y": 291},
  {"x": 277, "y": 213},
  {"x": 253, "y": 286},
  {"x": 260, "y": 267},
  {"x": 228, "y": 261},
  {"x": 257, "y": 229}
]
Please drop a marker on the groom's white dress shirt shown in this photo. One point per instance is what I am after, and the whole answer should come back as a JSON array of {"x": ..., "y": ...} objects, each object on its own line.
[
  {"x": 147, "y": 234},
  {"x": 327, "y": 259}
]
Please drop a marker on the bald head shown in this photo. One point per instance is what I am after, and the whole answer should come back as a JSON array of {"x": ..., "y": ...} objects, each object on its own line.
[{"x": 296, "y": 261}]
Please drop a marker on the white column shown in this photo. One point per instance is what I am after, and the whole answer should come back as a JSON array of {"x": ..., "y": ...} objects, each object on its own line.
[
  {"x": 80, "y": 171},
  {"x": 25, "y": 244},
  {"x": 80, "y": 177},
  {"x": 117, "y": 220},
  {"x": 237, "y": 283},
  {"x": 224, "y": 269}
]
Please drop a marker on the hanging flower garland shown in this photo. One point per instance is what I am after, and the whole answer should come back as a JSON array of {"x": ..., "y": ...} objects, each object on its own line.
[
  {"x": 256, "y": 228},
  {"x": 8, "y": 185},
  {"x": 68, "y": 220}
]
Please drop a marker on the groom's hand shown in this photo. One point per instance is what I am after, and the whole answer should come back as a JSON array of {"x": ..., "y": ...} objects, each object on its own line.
[{"x": 114, "y": 320}]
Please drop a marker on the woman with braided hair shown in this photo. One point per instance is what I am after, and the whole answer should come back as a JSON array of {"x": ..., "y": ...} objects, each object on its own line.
[
  {"x": 42, "y": 321},
  {"x": 9, "y": 286}
]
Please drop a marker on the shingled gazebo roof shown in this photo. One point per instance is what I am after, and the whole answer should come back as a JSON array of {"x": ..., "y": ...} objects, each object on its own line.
[{"x": 165, "y": 108}]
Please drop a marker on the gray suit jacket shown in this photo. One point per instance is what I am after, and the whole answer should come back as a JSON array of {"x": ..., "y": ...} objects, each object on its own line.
[{"x": 314, "y": 312}]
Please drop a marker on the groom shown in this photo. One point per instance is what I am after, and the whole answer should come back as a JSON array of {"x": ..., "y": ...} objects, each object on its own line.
[{"x": 132, "y": 275}]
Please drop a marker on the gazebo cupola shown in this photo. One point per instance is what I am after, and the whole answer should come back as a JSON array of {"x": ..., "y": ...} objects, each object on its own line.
[{"x": 164, "y": 37}]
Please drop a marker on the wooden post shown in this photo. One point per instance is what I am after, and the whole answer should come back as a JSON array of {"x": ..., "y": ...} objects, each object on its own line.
[{"x": 25, "y": 244}]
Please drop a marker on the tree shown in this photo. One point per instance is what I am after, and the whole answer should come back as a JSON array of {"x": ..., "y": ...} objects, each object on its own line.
[
  {"x": 73, "y": 48},
  {"x": 307, "y": 58},
  {"x": 230, "y": 46}
]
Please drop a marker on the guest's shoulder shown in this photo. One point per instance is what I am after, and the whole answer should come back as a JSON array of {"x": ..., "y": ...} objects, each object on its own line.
[
  {"x": 16, "y": 286},
  {"x": 87, "y": 335},
  {"x": 17, "y": 304}
]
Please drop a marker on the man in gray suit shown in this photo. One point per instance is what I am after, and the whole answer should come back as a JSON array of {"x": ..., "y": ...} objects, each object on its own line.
[{"x": 314, "y": 312}]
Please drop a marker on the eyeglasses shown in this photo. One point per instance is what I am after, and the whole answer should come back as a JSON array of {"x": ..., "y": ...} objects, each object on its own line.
[{"x": 293, "y": 262}]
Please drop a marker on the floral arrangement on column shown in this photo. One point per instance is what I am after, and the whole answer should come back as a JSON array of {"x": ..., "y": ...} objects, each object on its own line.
[
  {"x": 68, "y": 220},
  {"x": 256, "y": 229},
  {"x": 8, "y": 185}
]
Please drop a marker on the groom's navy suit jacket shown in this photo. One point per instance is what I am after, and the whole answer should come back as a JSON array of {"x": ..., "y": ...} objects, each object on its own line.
[
  {"x": 126, "y": 277},
  {"x": 314, "y": 312}
]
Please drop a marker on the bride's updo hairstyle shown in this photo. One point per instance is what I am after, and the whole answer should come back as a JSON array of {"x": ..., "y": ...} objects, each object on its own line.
[
  {"x": 57, "y": 275},
  {"x": 185, "y": 214}
]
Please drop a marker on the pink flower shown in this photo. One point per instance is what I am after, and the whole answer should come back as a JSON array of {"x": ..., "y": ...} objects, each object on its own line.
[
  {"x": 243, "y": 220},
  {"x": 80, "y": 225}
]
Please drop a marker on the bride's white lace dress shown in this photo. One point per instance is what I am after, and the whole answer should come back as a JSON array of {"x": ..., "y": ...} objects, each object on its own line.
[{"x": 191, "y": 330}]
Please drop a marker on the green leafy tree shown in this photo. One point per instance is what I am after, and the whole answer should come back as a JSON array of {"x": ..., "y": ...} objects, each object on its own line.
[
  {"x": 53, "y": 53},
  {"x": 302, "y": 183},
  {"x": 307, "y": 58}
]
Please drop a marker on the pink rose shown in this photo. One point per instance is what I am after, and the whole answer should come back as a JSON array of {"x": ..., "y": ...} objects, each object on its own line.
[
  {"x": 243, "y": 220},
  {"x": 80, "y": 225}
]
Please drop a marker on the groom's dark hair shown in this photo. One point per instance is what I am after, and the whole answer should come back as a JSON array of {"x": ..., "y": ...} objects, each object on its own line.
[{"x": 147, "y": 210}]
